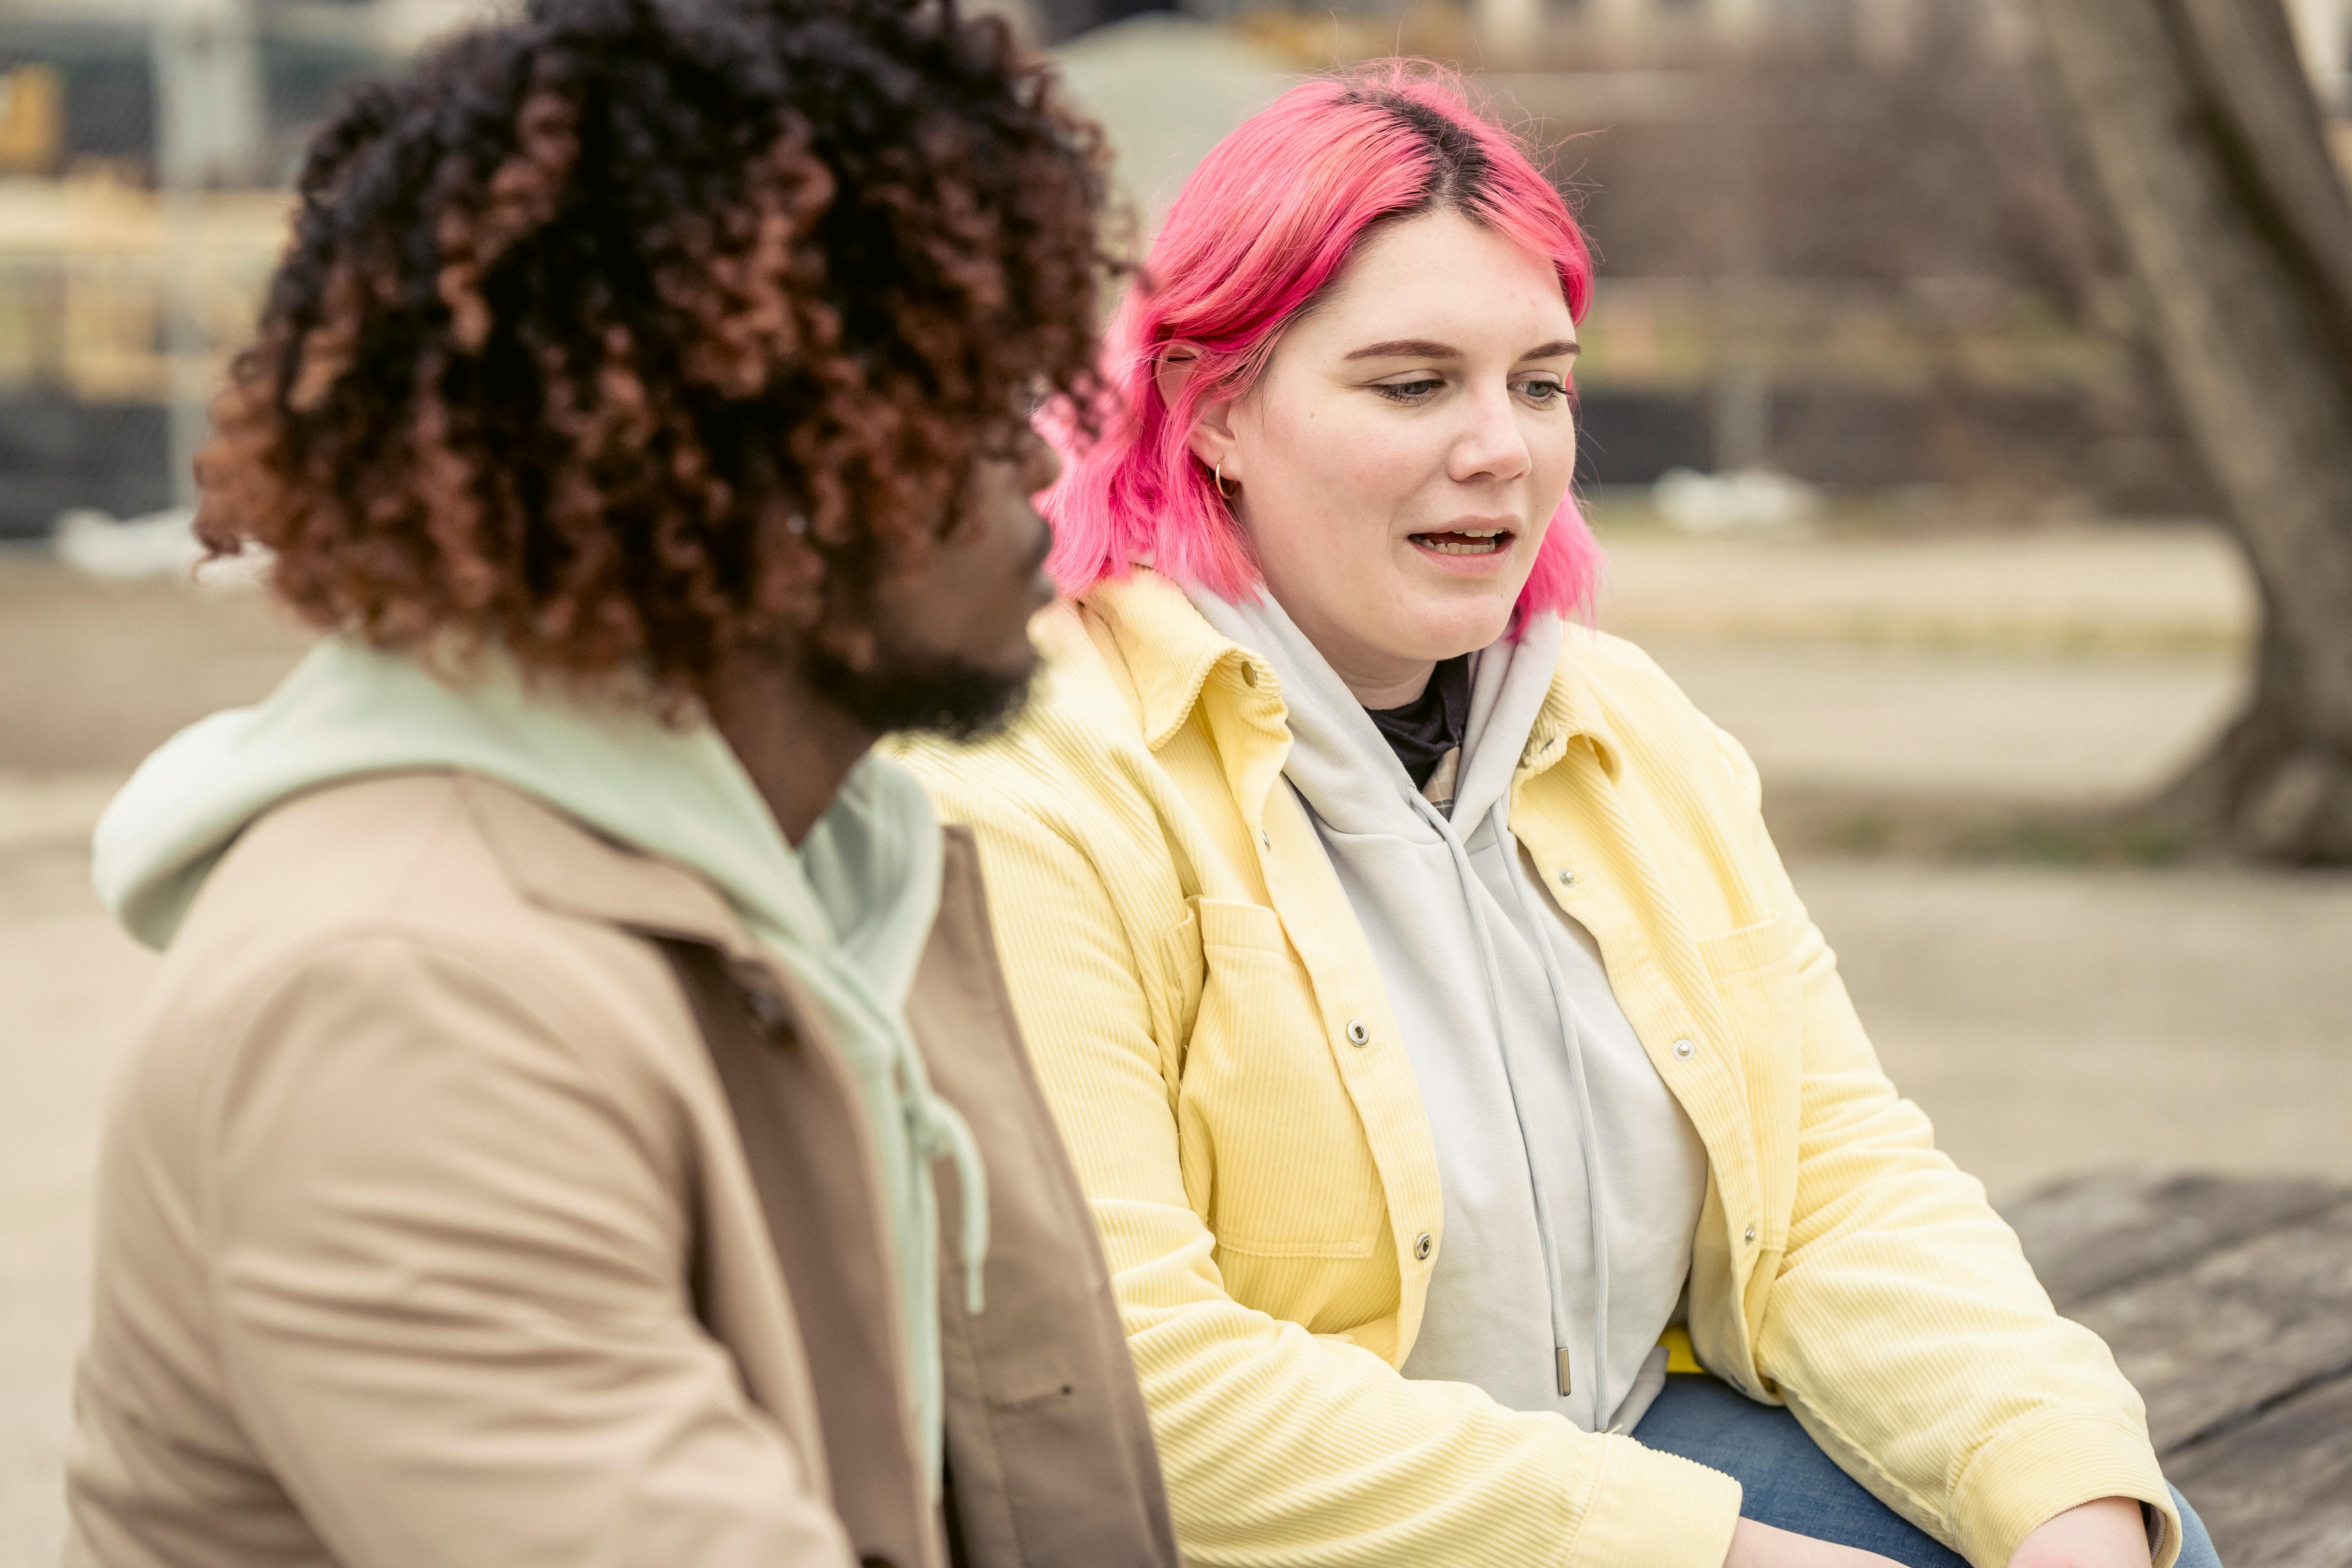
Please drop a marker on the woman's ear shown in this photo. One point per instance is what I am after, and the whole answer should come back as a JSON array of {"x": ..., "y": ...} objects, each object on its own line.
[{"x": 1211, "y": 434}]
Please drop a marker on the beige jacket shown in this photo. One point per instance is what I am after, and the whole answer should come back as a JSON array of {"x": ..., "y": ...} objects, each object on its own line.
[{"x": 481, "y": 1194}]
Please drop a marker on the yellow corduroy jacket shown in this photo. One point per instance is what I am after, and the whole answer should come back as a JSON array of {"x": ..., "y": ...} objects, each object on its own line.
[{"x": 1219, "y": 1054}]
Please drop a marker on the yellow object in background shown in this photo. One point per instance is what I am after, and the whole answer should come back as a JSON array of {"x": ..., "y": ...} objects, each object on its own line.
[{"x": 32, "y": 118}]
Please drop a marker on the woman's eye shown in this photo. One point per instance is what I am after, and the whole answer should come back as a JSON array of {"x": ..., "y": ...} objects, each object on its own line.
[
  {"x": 1542, "y": 390},
  {"x": 1408, "y": 391}
]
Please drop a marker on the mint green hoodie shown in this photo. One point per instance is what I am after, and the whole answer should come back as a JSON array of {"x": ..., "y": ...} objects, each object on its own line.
[{"x": 848, "y": 913}]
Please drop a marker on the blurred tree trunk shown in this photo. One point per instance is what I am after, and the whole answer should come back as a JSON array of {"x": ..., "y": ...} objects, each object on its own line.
[{"x": 2201, "y": 129}]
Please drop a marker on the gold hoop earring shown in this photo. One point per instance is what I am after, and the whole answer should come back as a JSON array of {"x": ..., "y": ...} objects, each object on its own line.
[{"x": 1218, "y": 474}]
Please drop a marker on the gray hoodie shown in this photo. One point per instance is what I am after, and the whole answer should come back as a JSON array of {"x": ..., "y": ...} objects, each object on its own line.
[{"x": 1572, "y": 1178}]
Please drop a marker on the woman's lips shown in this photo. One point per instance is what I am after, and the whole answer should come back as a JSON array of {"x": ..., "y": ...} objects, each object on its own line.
[{"x": 1465, "y": 541}]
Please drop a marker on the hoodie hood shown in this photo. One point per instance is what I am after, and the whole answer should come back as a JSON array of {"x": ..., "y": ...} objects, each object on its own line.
[
  {"x": 848, "y": 913},
  {"x": 866, "y": 878},
  {"x": 1338, "y": 761},
  {"x": 1553, "y": 1276}
]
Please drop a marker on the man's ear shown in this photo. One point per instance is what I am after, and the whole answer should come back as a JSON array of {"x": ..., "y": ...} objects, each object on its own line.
[{"x": 1211, "y": 434}]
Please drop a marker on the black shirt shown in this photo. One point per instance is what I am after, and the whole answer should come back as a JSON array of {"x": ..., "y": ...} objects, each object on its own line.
[{"x": 1423, "y": 731}]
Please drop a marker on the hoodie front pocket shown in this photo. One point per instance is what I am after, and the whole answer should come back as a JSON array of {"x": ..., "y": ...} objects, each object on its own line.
[{"x": 1262, "y": 1112}]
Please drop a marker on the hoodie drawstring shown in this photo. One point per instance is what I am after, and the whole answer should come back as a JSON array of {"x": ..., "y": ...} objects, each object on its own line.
[
  {"x": 937, "y": 1131},
  {"x": 1587, "y": 1135}
]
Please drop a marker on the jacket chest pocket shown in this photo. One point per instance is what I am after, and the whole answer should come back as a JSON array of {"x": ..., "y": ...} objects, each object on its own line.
[
  {"x": 1755, "y": 976},
  {"x": 1275, "y": 1156}
]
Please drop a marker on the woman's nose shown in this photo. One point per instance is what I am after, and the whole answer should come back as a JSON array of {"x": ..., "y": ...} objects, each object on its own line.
[{"x": 1491, "y": 445}]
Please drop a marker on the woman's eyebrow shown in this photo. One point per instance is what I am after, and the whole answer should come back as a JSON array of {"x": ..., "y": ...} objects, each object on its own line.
[
  {"x": 1407, "y": 348},
  {"x": 1428, "y": 348}
]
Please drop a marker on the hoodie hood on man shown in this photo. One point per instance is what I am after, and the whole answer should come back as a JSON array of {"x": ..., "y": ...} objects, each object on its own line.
[{"x": 848, "y": 913}]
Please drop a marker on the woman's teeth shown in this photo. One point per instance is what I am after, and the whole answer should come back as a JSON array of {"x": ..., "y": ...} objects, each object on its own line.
[{"x": 1468, "y": 542}]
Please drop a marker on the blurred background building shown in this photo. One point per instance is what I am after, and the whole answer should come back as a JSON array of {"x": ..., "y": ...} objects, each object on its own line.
[
  {"x": 143, "y": 147},
  {"x": 1840, "y": 239}
]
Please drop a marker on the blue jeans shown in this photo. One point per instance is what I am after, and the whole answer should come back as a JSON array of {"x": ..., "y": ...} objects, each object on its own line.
[{"x": 1790, "y": 1483}]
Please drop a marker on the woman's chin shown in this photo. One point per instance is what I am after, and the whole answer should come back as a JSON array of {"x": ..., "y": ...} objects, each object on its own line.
[{"x": 1444, "y": 629}]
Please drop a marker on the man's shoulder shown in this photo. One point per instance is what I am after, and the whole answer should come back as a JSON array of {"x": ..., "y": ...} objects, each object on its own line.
[
  {"x": 372, "y": 922},
  {"x": 407, "y": 863},
  {"x": 377, "y": 852}
]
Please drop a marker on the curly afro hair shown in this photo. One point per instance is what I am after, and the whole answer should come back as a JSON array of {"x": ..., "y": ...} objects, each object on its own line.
[{"x": 634, "y": 332}]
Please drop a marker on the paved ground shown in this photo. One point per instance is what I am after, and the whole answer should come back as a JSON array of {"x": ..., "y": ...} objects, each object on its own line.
[
  {"x": 2070, "y": 665},
  {"x": 92, "y": 676},
  {"x": 2064, "y": 590},
  {"x": 2048, "y": 1020},
  {"x": 1990, "y": 724},
  {"x": 68, "y": 978},
  {"x": 2055, "y": 1020}
]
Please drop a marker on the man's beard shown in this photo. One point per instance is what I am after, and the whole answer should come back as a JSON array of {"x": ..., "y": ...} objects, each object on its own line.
[{"x": 928, "y": 693}]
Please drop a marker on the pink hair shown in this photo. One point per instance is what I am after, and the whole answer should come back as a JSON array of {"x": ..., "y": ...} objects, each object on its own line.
[{"x": 1261, "y": 229}]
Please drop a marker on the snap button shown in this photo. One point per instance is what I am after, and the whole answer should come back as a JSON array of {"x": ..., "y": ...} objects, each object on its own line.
[
  {"x": 1751, "y": 1237},
  {"x": 1567, "y": 878},
  {"x": 1249, "y": 673},
  {"x": 1357, "y": 1034},
  {"x": 1685, "y": 1049},
  {"x": 1423, "y": 1246}
]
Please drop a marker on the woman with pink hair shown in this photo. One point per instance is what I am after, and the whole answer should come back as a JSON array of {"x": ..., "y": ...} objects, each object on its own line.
[{"x": 1492, "y": 1167}]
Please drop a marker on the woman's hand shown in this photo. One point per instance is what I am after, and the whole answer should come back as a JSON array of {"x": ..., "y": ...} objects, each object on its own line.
[
  {"x": 2108, "y": 1533},
  {"x": 2103, "y": 1534},
  {"x": 1755, "y": 1545}
]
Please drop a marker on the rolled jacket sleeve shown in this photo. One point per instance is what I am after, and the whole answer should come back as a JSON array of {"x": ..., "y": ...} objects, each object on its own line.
[{"x": 450, "y": 1254}]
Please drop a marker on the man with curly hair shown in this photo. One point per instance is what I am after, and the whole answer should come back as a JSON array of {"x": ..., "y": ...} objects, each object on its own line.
[{"x": 579, "y": 1120}]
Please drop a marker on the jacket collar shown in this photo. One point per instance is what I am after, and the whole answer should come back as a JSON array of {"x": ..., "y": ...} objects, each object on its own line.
[
  {"x": 1171, "y": 654},
  {"x": 1572, "y": 711},
  {"x": 560, "y": 865}
]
